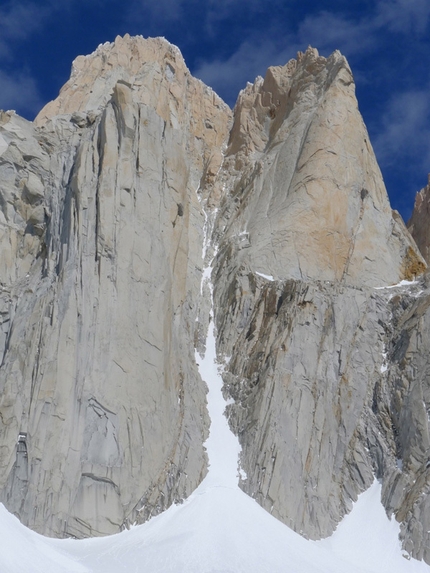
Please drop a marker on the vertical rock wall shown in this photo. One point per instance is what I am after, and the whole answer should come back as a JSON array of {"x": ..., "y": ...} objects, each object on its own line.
[
  {"x": 306, "y": 239},
  {"x": 98, "y": 371},
  {"x": 418, "y": 224}
]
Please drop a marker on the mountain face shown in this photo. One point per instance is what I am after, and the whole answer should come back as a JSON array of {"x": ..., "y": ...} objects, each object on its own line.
[
  {"x": 102, "y": 232},
  {"x": 418, "y": 223},
  {"x": 320, "y": 299}
]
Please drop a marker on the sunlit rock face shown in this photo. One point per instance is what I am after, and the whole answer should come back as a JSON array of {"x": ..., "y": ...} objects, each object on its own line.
[
  {"x": 106, "y": 201},
  {"x": 102, "y": 232},
  {"x": 305, "y": 233},
  {"x": 299, "y": 159}
]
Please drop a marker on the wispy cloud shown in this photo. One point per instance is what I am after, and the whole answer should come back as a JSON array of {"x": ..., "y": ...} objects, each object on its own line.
[
  {"x": 19, "y": 90},
  {"x": 213, "y": 11},
  {"x": 326, "y": 30},
  {"x": 405, "y": 130},
  {"x": 254, "y": 56},
  {"x": 329, "y": 31},
  {"x": 219, "y": 11},
  {"x": 19, "y": 20},
  {"x": 405, "y": 16},
  {"x": 354, "y": 36},
  {"x": 166, "y": 11}
]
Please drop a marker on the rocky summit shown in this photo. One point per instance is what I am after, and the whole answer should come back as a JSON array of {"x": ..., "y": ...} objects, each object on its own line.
[{"x": 112, "y": 203}]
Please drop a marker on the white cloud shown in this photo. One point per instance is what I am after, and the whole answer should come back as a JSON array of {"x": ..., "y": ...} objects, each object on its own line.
[
  {"x": 405, "y": 130},
  {"x": 328, "y": 32},
  {"x": 19, "y": 91},
  {"x": 18, "y": 21},
  {"x": 159, "y": 11},
  {"x": 229, "y": 76},
  {"x": 405, "y": 16},
  {"x": 212, "y": 12},
  {"x": 325, "y": 30},
  {"x": 219, "y": 10}
]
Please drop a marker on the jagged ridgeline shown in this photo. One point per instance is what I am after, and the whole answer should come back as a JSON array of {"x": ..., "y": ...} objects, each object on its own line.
[{"x": 105, "y": 200}]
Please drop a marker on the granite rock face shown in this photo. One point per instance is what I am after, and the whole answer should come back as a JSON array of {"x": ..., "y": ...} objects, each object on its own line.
[
  {"x": 102, "y": 255},
  {"x": 105, "y": 203},
  {"x": 418, "y": 224},
  {"x": 306, "y": 235},
  {"x": 300, "y": 159},
  {"x": 402, "y": 410}
]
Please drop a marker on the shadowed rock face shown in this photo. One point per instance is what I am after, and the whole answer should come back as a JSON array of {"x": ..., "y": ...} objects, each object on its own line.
[
  {"x": 418, "y": 224},
  {"x": 104, "y": 203}
]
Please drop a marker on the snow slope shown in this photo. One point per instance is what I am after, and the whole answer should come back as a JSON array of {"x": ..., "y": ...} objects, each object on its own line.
[{"x": 218, "y": 529}]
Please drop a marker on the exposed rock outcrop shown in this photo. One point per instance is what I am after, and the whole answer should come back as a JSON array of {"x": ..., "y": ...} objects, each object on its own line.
[
  {"x": 418, "y": 224},
  {"x": 402, "y": 410},
  {"x": 304, "y": 183},
  {"x": 101, "y": 254},
  {"x": 104, "y": 205},
  {"x": 304, "y": 230}
]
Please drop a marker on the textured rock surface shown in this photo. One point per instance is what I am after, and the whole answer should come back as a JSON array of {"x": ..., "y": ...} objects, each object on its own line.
[
  {"x": 302, "y": 369},
  {"x": 104, "y": 204},
  {"x": 102, "y": 246},
  {"x": 418, "y": 224},
  {"x": 304, "y": 184},
  {"x": 402, "y": 409},
  {"x": 327, "y": 396},
  {"x": 305, "y": 234}
]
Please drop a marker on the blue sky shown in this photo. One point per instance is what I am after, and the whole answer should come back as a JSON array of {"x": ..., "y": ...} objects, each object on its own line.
[{"x": 229, "y": 42}]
